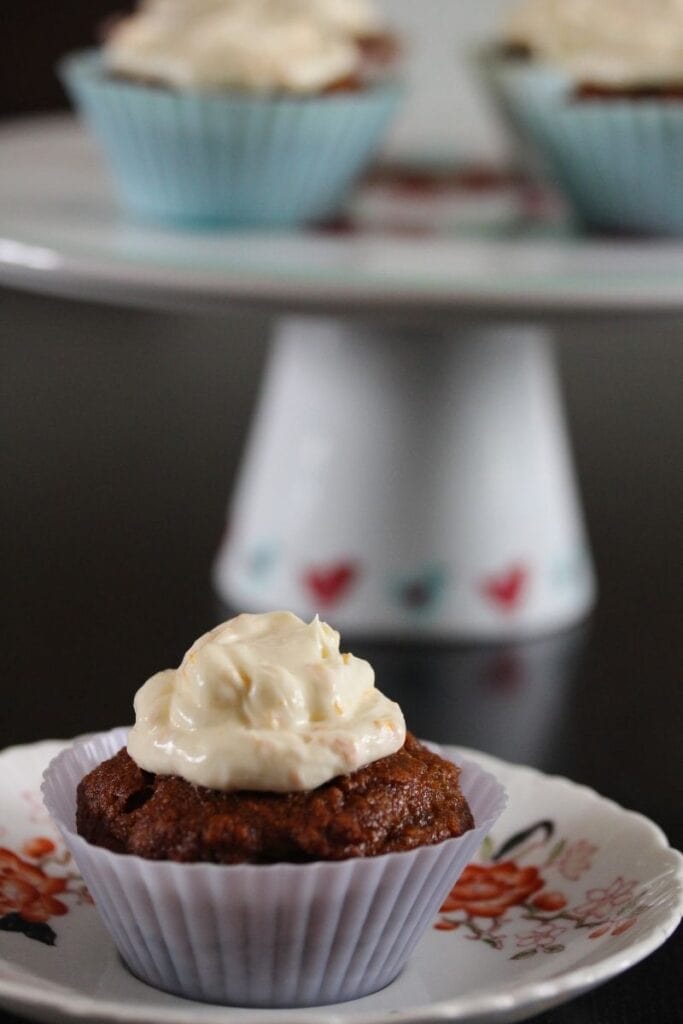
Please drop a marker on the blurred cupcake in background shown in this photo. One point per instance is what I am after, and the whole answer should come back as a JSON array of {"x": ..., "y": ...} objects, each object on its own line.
[
  {"x": 596, "y": 87},
  {"x": 238, "y": 112}
]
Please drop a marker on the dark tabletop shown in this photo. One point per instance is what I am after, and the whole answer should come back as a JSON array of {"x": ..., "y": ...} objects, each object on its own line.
[{"x": 117, "y": 466}]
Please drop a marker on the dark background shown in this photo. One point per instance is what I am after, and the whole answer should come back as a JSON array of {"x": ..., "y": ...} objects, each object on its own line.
[
  {"x": 120, "y": 436},
  {"x": 34, "y": 34}
]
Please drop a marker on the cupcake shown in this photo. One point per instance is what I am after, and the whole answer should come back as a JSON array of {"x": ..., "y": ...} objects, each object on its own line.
[
  {"x": 238, "y": 112},
  {"x": 268, "y": 833},
  {"x": 596, "y": 87}
]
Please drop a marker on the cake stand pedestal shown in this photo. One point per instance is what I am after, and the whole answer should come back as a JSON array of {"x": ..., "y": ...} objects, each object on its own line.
[
  {"x": 410, "y": 481},
  {"x": 408, "y": 469}
]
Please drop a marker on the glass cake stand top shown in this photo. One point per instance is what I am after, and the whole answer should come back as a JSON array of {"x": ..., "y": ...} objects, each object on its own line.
[{"x": 427, "y": 244}]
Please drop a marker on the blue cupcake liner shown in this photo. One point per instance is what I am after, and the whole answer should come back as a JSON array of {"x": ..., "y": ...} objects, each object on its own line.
[
  {"x": 619, "y": 161},
  {"x": 198, "y": 158}
]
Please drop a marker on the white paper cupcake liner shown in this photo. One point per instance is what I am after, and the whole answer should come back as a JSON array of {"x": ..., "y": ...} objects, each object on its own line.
[
  {"x": 202, "y": 159},
  {"x": 281, "y": 935}
]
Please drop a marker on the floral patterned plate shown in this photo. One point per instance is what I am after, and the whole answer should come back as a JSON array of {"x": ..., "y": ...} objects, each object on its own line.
[{"x": 569, "y": 891}]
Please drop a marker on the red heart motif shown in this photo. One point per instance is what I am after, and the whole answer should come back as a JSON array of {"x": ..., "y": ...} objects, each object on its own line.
[
  {"x": 507, "y": 590},
  {"x": 328, "y": 585}
]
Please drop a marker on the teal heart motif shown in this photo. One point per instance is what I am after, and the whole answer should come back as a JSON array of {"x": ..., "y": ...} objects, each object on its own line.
[
  {"x": 421, "y": 592},
  {"x": 261, "y": 561},
  {"x": 569, "y": 571}
]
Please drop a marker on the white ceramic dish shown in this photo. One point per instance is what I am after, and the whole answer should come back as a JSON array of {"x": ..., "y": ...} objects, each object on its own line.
[{"x": 570, "y": 891}]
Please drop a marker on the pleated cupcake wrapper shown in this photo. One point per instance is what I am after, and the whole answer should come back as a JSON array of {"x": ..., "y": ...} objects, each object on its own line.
[
  {"x": 280, "y": 935},
  {"x": 619, "y": 161},
  {"x": 237, "y": 159}
]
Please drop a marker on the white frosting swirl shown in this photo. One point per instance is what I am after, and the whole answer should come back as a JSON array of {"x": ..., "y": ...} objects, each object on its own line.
[
  {"x": 357, "y": 18},
  {"x": 617, "y": 43},
  {"x": 264, "y": 702},
  {"x": 299, "y": 46}
]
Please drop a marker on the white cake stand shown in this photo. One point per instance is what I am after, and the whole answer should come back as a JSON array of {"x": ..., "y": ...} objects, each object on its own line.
[{"x": 408, "y": 470}]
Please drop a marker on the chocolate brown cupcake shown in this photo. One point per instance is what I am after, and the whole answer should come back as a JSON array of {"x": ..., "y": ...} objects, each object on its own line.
[
  {"x": 269, "y": 818},
  {"x": 596, "y": 106},
  {"x": 272, "y": 935},
  {"x": 239, "y": 113},
  {"x": 409, "y": 799}
]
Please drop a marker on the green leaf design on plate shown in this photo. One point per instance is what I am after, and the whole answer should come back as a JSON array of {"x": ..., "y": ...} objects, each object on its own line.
[
  {"x": 556, "y": 851},
  {"x": 486, "y": 851}
]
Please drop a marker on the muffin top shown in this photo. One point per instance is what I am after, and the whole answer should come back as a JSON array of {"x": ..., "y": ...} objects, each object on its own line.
[
  {"x": 264, "y": 702},
  {"x": 269, "y": 744},
  {"x": 617, "y": 43},
  {"x": 260, "y": 46},
  {"x": 411, "y": 798}
]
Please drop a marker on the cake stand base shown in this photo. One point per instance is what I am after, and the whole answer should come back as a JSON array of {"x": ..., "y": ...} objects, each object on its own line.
[{"x": 408, "y": 482}]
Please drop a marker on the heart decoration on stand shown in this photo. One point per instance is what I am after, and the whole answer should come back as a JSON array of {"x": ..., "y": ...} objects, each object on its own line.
[
  {"x": 507, "y": 589},
  {"x": 421, "y": 592},
  {"x": 570, "y": 570},
  {"x": 261, "y": 562},
  {"x": 328, "y": 585}
]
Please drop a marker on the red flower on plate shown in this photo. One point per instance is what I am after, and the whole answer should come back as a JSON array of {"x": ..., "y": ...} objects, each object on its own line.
[
  {"x": 28, "y": 891},
  {"x": 623, "y": 926},
  {"x": 551, "y": 902},
  {"x": 329, "y": 584},
  {"x": 506, "y": 590},
  {"x": 38, "y": 848},
  {"x": 488, "y": 891}
]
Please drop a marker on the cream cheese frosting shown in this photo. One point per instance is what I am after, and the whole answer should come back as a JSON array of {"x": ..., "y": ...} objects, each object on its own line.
[
  {"x": 264, "y": 702},
  {"x": 618, "y": 43},
  {"x": 298, "y": 46},
  {"x": 357, "y": 18}
]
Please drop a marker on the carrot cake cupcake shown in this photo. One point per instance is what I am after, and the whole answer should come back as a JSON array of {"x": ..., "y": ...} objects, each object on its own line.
[
  {"x": 268, "y": 833},
  {"x": 238, "y": 112},
  {"x": 596, "y": 86}
]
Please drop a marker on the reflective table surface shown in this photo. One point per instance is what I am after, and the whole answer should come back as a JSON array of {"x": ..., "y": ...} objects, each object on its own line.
[{"x": 106, "y": 550}]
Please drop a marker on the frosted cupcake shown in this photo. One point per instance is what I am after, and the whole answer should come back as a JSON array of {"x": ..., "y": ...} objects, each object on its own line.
[
  {"x": 267, "y": 833},
  {"x": 597, "y": 86},
  {"x": 238, "y": 112}
]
